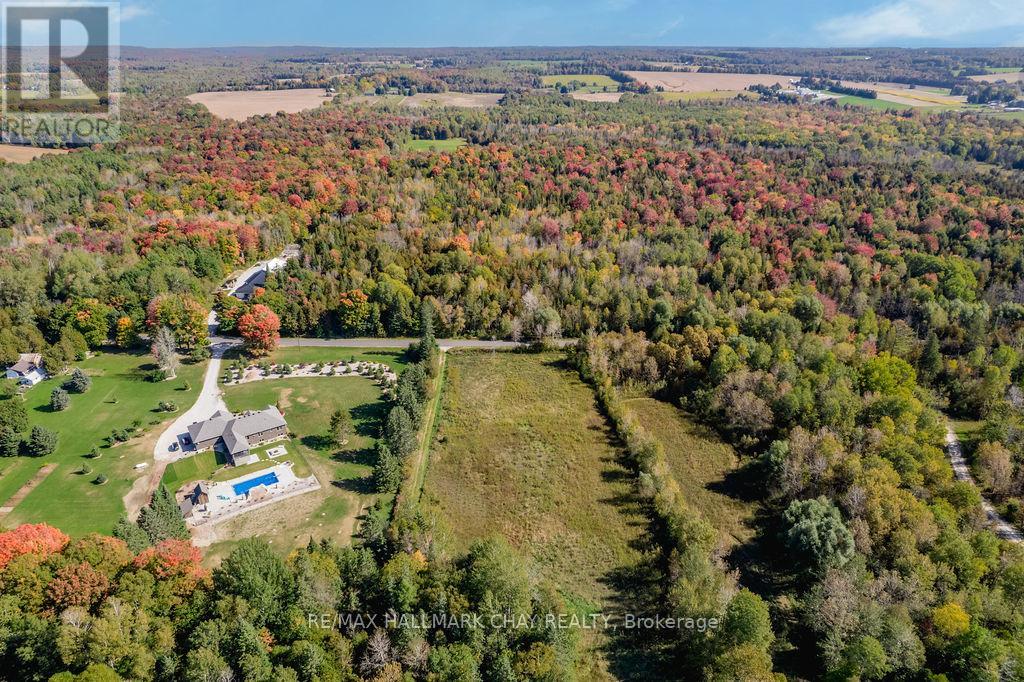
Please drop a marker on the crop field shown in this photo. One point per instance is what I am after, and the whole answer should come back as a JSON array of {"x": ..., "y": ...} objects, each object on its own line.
[
  {"x": 344, "y": 472},
  {"x": 242, "y": 104},
  {"x": 597, "y": 96},
  {"x": 19, "y": 153},
  {"x": 120, "y": 396},
  {"x": 469, "y": 100},
  {"x": 524, "y": 453},
  {"x": 701, "y": 464},
  {"x": 711, "y": 94},
  {"x": 677, "y": 81},
  {"x": 1011, "y": 76},
  {"x": 914, "y": 97}
]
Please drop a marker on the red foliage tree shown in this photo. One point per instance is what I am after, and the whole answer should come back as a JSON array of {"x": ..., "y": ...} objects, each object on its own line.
[
  {"x": 261, "y": 329},
  {"x": 77, "y": 585},
  {"x": 172, "y": 559},
  {"x": 30, "y": 539}
]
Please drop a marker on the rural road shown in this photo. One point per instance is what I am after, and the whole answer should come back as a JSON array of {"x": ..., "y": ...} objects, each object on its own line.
[{"x": 963, "y": 473}]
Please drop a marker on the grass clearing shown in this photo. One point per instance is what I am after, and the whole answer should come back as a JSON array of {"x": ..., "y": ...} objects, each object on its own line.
[
  {"x": 524, "y": 453},
  {"x": 120, "y": 395},
  {"x": 435, "y": 145},
  {"x": 701, "y": 464},
  {"x": 879, "y": 104},
  {"x": 395, "y": 358},
  {"x": 580, "y": 81},
  {"x": 19, "y": 153}
]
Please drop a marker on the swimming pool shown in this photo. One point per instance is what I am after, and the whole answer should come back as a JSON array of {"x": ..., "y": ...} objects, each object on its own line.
[{"x": 245, "y": 486}]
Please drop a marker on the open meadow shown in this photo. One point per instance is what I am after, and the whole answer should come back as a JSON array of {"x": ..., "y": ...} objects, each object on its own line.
[
  {"x": 17, "y": 153},
  {"x": 681, "y": 81},
  {"x": 242, "y": 104},
  {"x": 522, "y": 452},
  {"x": 1014, "y": 76},
  {"x": 702, "y": 464},
  {"x": 121, "y": 397}
]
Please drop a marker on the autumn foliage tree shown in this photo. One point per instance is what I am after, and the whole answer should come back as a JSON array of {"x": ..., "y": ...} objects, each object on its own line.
[
  {"x": 38, "y": 539},
  {"x": 261, "y": 329}
]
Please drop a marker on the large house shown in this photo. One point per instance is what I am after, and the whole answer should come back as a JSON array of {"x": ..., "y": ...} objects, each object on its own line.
[
  {"x": 28, "y": 370},
  {"x": 236, "y": 435}
]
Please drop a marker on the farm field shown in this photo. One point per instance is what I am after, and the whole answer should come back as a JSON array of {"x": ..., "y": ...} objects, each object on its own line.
[
  {"x": 435, "y": 145},
  {"x": 1014, "y": 76},
  {"x": 915, "y": 97},
  {"x": 711, "y": 94},
  {"x": 596, "y": 96},
  {"x": 881, "y": 104},
  {"x": 120, "y": 396},
  {"x": 583, "y": 82},
  {"x": 701, "y": 463},
  {"x": 331, "y": 511},
  {"x": 242, "y": 104},
  {"x": 17, "y": 153},
  {"x": 469, "y": 100},
  {"x": 524, "y": 453},
  {"x": 678, "y": 81}
]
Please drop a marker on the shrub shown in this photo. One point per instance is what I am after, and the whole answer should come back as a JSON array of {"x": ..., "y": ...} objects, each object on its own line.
[
  {"x": 156, "y": 375},
  {"x": 100, "y": 480}
]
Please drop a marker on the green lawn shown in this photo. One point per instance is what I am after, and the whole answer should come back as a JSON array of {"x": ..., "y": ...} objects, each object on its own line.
[
  {"x": 435, "y": 145},
  {"x": 710, "y": 94},
  {"x": 872, "y": 103},
  {"x": 120, "y": 395},
  {"x": 210, "y": 465},
  {"x": 396, "y": 358},
  {"x": 585, "y": 82},
  {"x": 701, "y": 464}
]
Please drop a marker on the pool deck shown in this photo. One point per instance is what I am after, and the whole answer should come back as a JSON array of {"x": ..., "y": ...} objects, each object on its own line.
[{"x": 224, "y": 504}]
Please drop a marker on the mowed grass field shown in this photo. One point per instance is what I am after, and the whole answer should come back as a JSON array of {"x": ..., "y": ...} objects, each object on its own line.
[
  {"x": 120, "y": 395},
  {"x": 395, "y": 358},
  {"x": 435, "y": 145},
  {"x": 344, "y": 473},
  {"x": 523, "y": 453},
  {"x": 701, "y": 463},
  {"x": 711, "y": 94},
  {"x": 598, "y": 81},
  {"x": 18, "y": 153},
  {"x": 880, "y": 104}
]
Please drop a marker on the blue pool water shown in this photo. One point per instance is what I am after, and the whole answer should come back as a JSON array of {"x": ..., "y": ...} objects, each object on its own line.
[{"x": 245, "y": 486}]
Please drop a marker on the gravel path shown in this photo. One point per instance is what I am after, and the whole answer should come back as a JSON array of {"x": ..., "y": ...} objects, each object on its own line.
[{"x": 963, "y": 473}]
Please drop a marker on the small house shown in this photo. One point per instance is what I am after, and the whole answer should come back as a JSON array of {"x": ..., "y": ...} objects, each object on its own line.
[{"x": 28, "y": 370}]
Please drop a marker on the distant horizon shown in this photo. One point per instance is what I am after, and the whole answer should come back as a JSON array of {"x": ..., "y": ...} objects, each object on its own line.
[{"x": 827, "y": 24}]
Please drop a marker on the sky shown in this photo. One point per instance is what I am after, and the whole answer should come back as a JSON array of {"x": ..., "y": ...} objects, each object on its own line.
[{"x": 475, "y": 23}]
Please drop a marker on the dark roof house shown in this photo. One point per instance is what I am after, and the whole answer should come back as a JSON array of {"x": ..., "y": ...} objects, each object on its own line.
[{"x": 238, "y": 434}]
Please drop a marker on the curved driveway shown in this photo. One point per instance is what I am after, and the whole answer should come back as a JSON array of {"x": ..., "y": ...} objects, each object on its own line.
[{"x": 963, "y": 473}]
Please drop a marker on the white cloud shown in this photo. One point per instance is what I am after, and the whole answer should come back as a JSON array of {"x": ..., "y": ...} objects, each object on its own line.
[
  {"x": 924, "y": 19},
  {"x": 129, "y": 12}
]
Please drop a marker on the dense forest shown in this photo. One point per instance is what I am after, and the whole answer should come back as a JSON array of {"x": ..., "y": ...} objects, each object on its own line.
[{"x": 823, "y": 286}]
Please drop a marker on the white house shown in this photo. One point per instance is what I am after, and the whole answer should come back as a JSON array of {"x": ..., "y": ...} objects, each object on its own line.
[{"x": 28, "y": 370}]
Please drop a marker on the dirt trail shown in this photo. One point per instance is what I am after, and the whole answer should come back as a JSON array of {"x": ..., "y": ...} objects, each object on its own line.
[
  {"x": 963, "y": 473},
  {"x": 24, "y": 490}
]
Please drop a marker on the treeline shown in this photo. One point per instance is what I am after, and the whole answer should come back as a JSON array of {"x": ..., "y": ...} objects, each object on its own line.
[
  {"x": 693, "y": 583},
  {"x": 837, "y": 87}
]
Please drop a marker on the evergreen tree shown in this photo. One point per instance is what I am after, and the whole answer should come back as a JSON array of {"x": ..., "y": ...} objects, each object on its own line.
[
  {"x": 41, "y": 442},
  {"x": 399, "y": 432},
  {"x": 162, "y": 520},
  {"x": 133, "y": 536},
  {"x": 79, "y": 382},
  {"x": 59, "y": 400}
]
